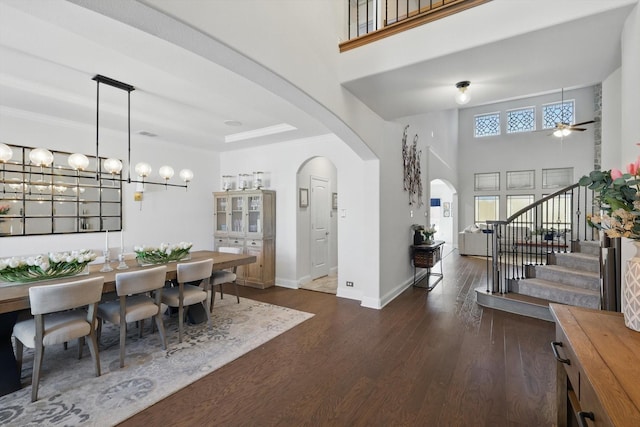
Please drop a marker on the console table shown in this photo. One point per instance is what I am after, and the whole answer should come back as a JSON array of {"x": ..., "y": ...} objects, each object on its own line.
[
  {"x": 598, "y": 368},
  {"x": 427, "y": 255}
]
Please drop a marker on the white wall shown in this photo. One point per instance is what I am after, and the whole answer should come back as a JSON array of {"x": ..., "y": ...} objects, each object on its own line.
[
  {"x": 356, "y": 245},
  {"x": 170, "y": 215},
  {"x": 521, "y": 151}
]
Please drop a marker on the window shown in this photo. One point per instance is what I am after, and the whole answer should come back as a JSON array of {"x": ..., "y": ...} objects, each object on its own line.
[
  {"x": 556, "y": 213},
  {"x": 517, "y": 202},
  {"x": 487, "y": 181},
  {"x": 521, "y": 120},
  {"x": 487, "y": 125},
  {"x": 557, "y": 177},
  {"x": 486, "y": 208},
  {"x": 558, "y": 112},
  {"x": 520, "y": 180}
]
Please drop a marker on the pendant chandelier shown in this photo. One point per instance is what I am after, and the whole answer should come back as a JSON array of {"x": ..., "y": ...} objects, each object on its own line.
[{"x": 114, "y": 166}]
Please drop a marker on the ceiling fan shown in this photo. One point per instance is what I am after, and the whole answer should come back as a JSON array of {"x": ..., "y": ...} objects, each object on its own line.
[{"x": 563, "y": 128}]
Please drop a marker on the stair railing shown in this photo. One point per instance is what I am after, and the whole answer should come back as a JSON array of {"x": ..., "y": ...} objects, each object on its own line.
[{"x": 555, "y": 223}]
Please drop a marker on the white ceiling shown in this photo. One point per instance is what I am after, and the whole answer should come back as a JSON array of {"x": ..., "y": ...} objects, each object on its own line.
[{"x": 50, "y": 50}]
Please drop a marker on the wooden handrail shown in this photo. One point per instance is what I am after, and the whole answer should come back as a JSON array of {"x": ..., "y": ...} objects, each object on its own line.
[{"x": 413, "y": 20}]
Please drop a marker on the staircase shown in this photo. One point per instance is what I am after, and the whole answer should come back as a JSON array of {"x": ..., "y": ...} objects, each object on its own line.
[
  {"x": 568, "y": 278},
  {"x": 526, "y": 275}
]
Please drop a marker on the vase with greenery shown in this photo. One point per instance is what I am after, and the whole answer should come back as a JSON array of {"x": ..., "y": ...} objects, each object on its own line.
[{"x": 618, "y": 195}]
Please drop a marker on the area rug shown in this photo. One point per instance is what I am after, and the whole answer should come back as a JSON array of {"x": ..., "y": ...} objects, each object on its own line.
[{"x": 70, "y": 394}]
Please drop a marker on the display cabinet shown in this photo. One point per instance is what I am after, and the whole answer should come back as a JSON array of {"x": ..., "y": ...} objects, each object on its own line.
[{"x": 247, "y": 219}]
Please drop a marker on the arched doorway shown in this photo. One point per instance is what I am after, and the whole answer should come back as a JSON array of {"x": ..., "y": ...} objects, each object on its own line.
[
  {"x": 317, "y": 225},
  {"x": 443, "y": 212}
]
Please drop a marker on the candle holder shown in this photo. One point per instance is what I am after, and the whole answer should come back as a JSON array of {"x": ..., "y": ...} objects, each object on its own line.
[
  {"x": 106, "y": 267},
  {"x": 122, "y": 265}
]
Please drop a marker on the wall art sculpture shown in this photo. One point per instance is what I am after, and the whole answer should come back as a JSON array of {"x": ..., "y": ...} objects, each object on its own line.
[{"x": 411, "y": 163}]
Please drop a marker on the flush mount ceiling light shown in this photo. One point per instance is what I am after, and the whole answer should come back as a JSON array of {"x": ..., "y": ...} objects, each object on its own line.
[
  {"x": 256, "y": 133},
  {"x": 462, "y": 97}
]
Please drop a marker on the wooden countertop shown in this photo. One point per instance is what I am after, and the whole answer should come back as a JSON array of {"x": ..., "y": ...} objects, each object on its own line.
[
  {"x": 609, "y": 354},
  {"x": 15, "y": 296}
]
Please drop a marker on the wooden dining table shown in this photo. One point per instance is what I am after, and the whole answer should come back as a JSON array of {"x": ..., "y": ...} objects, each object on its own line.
[{"x": 14, "y": 297}]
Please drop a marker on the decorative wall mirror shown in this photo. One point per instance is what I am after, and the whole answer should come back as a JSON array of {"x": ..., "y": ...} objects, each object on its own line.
[{"x": 55, "y": 198}]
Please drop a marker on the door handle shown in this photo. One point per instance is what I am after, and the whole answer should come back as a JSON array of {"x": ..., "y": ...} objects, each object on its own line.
[{"x": 554, "y": 346}]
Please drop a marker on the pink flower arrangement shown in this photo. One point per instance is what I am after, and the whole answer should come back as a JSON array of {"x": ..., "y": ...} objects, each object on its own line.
[{"x": 4, "y": 209}]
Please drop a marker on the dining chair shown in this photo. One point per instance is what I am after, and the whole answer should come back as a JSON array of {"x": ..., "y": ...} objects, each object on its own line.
[
  {"x": 224, "y": 276},
  {"x": 55, "y": 321},
  {"x": 134, "y": 303},
  {"x": 185, "y": 295}
]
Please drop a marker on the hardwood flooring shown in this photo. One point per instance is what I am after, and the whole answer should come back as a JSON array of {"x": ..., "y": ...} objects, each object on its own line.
[{"x": 435, "y": 359}]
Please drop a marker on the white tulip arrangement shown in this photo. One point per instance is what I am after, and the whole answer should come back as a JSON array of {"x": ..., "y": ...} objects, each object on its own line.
[
  {"x": 164, "y": 253},
  {"x": 45, "y": 267}
]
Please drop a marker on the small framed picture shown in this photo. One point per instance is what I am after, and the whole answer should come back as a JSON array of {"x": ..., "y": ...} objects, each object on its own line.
[
  {"x": 304, "y": 197},
  {"x": 446, "y": 209},
  {"x": 334, "y": 200}
]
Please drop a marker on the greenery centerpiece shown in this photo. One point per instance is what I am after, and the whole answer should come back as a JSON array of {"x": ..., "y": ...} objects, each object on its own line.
[
  {"x": 162, "y": 254},
  {"x": 41, "y": 267}
]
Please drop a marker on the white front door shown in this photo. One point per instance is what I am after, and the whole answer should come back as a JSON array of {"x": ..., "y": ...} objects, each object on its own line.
[{"x": 320, "y": 208}]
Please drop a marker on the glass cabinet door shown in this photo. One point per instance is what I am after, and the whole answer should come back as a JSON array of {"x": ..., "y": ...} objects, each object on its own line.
[
  {"x": 254, "y": 215},
  {"x": 237, "y": 214},
  {"x": 220, "y": 213}
]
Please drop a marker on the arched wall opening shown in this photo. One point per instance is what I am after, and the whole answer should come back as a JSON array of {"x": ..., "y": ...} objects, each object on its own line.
[
  {"x": 316, "y": 219},
  {"x": 443, "y": 212}
]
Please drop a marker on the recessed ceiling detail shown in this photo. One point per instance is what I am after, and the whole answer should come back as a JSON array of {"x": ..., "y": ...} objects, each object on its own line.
[{"x": 256, "y": 133}]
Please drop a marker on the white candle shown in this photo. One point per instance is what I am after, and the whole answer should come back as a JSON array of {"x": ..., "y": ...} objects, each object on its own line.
[
  {"x": 106, "y": 240},
  {"x": 121, "y": 242}
]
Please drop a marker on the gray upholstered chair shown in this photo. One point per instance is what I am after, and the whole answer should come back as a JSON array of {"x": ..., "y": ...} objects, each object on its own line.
[
  {"x": 223, "y": 276},
  {"x": 185, "y": 295},
  {"x": 134, "y": 303},
  {"x": 55, "y": 322}
]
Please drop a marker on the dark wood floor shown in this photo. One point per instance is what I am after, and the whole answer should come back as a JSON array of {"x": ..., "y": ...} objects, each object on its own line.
[{"x": 432, "y": 359}]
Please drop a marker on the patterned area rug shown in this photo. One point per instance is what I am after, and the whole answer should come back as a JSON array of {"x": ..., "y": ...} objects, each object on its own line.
[{"x": 70, "y": 394}]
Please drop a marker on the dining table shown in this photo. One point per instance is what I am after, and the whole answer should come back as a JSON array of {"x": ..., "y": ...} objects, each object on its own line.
[{"x": 14, "y": 298}]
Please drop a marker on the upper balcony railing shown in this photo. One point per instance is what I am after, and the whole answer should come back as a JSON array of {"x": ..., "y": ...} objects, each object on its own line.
[{"x": 371, "y": 20}]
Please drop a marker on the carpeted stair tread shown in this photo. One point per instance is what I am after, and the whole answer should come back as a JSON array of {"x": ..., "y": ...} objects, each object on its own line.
[
  {"x": 559, "y": 292},
  {"x": 579, "y": 261},
  {"x": 568, "y": 276}
]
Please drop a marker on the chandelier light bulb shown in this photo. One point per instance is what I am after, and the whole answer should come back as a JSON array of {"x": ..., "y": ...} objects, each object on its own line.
[
  {"x": 5, "y": 153},
  {"x": 143, "y": 169},
  {"x": 41, "y": 157},
  {"x": 113, "y": 166},
  {"x": 462, "y": 97},
  {"x": 166, "y": 172},
  {"x": 78, "y": 161},
  {"x": 186, "y": 175}
]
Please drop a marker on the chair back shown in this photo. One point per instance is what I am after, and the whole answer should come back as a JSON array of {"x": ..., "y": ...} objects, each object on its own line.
[
  {"x": 65, "y": 296},
  {"x": 194, "y": 271},
  {"x": 135, "y": 282},
  {"x": 230, "y": 249}
]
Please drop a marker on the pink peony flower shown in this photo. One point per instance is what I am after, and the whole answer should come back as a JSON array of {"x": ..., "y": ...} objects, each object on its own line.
[{"x": 616, "y": 173}]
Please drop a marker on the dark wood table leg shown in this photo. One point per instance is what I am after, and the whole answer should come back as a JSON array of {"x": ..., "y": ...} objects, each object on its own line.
[{"x": 9, "y": 378}]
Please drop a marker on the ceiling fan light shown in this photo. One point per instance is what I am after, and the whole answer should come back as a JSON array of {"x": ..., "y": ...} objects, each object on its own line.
[
  {"x": 41, "y": 157},
  {"x": 143, "y": 169},
  {"x": 566, "y": 132},
  {"x": 557, "y": 133},
  {"x": 166, "y": 172},
  {"x": 5, "y": 153},
  {"x": 113, "y": 166},
  {"x": 78, "y": 161}
]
